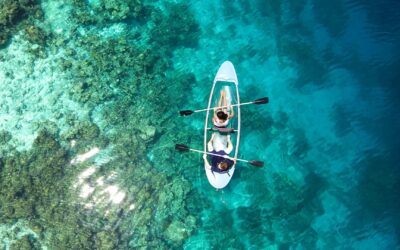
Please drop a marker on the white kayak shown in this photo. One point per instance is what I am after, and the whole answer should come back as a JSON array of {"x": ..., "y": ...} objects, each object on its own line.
[{"x": 226, "y": 80}]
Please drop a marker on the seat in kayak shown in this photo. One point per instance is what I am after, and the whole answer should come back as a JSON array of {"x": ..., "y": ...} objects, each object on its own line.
[{"x": 223, "y": 130}]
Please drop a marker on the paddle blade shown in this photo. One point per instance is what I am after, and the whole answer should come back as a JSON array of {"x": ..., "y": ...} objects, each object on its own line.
[
  {"x": 181, "y": 147},
  {"x": 263, "y": 100},
  {"x": 186, "y": 112},
  {"x": 257, "y": 163}
]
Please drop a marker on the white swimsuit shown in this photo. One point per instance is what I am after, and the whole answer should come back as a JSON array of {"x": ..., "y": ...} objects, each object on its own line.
[{"x": 221, "y": 124}]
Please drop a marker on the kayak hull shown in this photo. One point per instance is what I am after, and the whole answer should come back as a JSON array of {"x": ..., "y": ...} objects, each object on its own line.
[{"x": 226, "y": 80}]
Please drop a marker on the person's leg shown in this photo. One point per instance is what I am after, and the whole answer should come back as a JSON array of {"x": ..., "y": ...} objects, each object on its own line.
[{"x": 210, "y": 146}]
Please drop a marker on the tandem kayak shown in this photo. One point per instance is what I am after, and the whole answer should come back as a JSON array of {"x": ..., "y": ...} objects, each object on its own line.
[{"x": 226, "y": 80}]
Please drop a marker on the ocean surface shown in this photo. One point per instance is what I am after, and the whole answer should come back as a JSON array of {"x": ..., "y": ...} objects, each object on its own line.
[{"x": 90, "y": 93}]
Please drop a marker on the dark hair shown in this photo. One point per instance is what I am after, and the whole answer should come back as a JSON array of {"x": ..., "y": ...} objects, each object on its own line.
[
  {"x": 221, "y": 115},
  {"x": 223, "y": 165}
]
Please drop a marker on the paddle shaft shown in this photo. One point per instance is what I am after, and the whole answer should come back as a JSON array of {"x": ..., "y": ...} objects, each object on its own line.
[
  {"x": 223, "y": 156},
  {"x": 233, "y": 105}
]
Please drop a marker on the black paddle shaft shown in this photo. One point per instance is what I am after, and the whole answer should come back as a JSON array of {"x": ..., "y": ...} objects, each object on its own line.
[
  {"x": 263, "y": 100},
  {"x": 186, "y": 112},
  {"x": 181, "y": 147}
]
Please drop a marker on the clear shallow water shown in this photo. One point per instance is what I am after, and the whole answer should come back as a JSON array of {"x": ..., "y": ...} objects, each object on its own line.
[{"x": 328, "y": 137}]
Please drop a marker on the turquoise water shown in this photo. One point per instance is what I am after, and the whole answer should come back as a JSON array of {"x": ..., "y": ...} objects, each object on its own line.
[{"x": 89, "y": 99}]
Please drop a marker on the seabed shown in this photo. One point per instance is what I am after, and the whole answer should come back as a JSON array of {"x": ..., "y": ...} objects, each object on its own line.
[{"x": 89, "y": 99}]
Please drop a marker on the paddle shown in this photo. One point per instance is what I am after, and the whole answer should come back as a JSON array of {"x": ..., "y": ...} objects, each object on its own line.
[
  {"x": 184, "y": 148},
  {"x": 263, "y": 100}
]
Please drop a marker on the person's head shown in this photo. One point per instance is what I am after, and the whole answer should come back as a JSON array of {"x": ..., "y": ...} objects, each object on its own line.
[
  {"x": 222, "y": 115},
  {"x": 223, "y": 165}
]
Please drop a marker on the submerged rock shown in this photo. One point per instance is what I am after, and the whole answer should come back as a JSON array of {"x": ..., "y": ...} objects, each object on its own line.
[
  {"x": 5, "y": 137},
  {"x": 176, "y": 231},
  {"x": 148, "y": 132}
]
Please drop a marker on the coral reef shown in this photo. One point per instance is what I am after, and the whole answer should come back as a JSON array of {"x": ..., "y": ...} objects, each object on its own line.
[
  {"x": 18, "y": 236},
  {"x": 288, "y": 214},
  {"x": 290, "y": 196},
  {"x": 12, "y": 13},
  {"x": 106, "y": 11},
  {"x": 5, "y": 137},
  {"x": 84, "y": 135},
  {"x": 35, "y": 35},
  {"x": 100, "y": 76},
  {"x": 178, "y": 28},
  {"x": 34, "y": 186},
  {"x": 26, "y": 242},
  {"x": 72, "y": 199}
]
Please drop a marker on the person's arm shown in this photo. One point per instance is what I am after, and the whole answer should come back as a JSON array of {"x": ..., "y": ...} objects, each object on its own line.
[
  {"x": 214, "y": 115},
  {"x": 232, "y": 112},
  {"x": 221, "y": 97},
  {"x": 206, "y": 161},
  {"x": 228, "y": 150}
]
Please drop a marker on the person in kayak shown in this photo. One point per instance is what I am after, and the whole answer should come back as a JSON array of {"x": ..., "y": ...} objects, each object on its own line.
[
  {"x": 221, "y": 114},
  {"x": 217, "y": 145}
]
